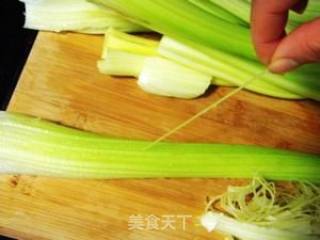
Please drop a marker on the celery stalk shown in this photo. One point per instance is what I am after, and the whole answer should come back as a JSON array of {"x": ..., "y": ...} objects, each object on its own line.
[
  {"x": 217, "y": 11},
  {"x": 124, "y": 54},
  {"x": 74, "y": 15},
  {"x": 242, "y": 8},
  {"x": 221, "y": 65},
  {"x": 118, "y": 40},
  {"x": 121, "y": 63},
  {"x": 230, "y": 70},
  {"x": 238, "y": 8},
  {"x": 181, "y": 20},
  {"x": 37, "y": 147},
  {"x": 218, "y": 40},
  {"x": 163, "y": 77}
]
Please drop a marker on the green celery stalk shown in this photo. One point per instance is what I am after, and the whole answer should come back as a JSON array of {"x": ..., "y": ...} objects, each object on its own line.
[
  {"x": 239, "y": 8},
  {"x": 118, "y": 40},
  {"x": 217, "y": 11},
  {"x": 181, "y": 20},
  {"x": 124, "y": 54},
  {"x": 217, "y": 39},
  {"x": 224, "y": 66},
  {"x": 121, "y": 63},
  {"x": 32, "y": 146},
  {"x": 74, "y": 15},
  {"x": 163, "y": 77},
  {"x": 242, "y": 8}
]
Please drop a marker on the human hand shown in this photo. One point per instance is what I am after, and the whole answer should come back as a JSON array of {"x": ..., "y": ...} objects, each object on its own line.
[{"x": 282, "y": 52}]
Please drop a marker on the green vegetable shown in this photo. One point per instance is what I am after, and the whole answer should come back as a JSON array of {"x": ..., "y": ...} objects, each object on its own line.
[
  {"x": 185, "y": 22},
  {"x": 227, "y": 67},
  {"x": 212, "y": 44},
  {"x": 74, "y": 15},
  {"x": 127, "y": 55},
  {"x": 33, "y": 146},
  {"x": 262, "y": 210},
  {"x": 218, "y": 11},
  {"x": 163, "y": 77},
  {"x": 242, "y": 8},
  {"x": 124, "y": 54},
  {"x": 239, "y": 8},
  {"x": 122, "y": 63},
  {"x": 117, "y": 40}
]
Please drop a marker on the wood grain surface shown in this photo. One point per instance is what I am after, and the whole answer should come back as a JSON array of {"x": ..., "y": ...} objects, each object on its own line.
[{"x": 60, "y": 83}]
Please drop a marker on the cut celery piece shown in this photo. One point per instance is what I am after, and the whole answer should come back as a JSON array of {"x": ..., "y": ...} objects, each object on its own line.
[
  {"x": 166, "y": 78},
  {"x": 32, "y": 146},
  {"x": 121, "y": 63},
  {"x": 74, "y": 15},
  {"x": 124, "y": 54},
  {"x": 118, "y": 40}
]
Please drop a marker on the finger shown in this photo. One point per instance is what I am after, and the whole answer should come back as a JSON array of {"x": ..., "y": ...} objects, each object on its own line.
[
  {"x": 299, "y": 47},
  {"x": 269, "y": 19}
]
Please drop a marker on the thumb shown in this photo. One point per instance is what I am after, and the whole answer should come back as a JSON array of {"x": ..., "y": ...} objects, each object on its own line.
[{"x": 299, "y": 47}]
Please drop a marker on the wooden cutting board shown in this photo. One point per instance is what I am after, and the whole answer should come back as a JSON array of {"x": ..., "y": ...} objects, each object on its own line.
[{"x": 60, "y": 82}]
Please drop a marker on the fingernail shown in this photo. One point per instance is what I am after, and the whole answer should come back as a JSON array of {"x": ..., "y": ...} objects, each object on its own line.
[{"x": 283, "y": 65}]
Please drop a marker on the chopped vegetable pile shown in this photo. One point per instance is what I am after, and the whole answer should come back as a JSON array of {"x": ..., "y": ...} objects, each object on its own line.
[{"x": 263, "y": 210}]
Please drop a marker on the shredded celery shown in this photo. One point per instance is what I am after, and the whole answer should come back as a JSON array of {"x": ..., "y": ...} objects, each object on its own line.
[
  {"x": 37, "y": 147},
  {"x": 262, "y": 210}
]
